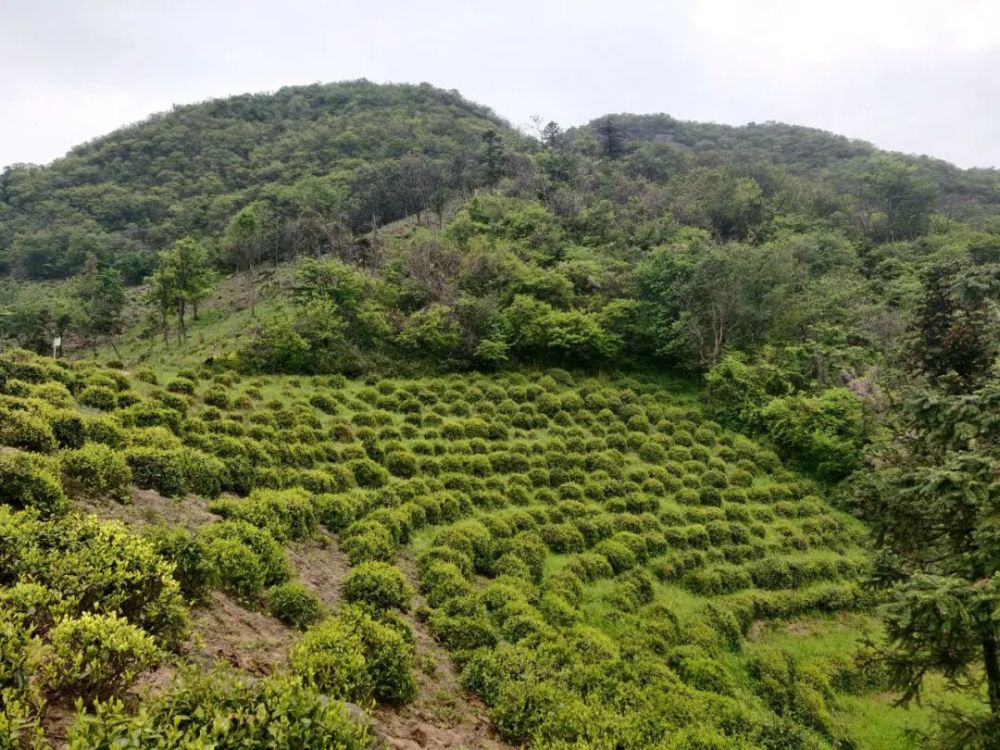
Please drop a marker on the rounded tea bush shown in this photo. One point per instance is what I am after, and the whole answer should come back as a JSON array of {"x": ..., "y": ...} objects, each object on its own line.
[
  {"x": 194, "y": 569},
  {"x": 96, "y": 471},
  {"x": 294, "y": 604},
  {"x": 19, "y": 429},
  {"x": 355, "y": 657},
  {"x": 98, "y": 397},
  {"x": 157, "y": 469},
  {"x": 379, "y": 585},
  {"x": 27, "y": 481},
  {"x": 96, "y": 656},
  {"x": 331, "y": 657},
  {"x": 367, "y": 473},
  {"x": 368, "y": 540}
]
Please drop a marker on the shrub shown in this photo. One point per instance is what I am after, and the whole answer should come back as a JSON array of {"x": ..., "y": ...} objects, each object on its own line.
[
  {"x": 354, "y": 657},
  {"x": 335, "y": 512},
  {"x": 294, "y": 604},
  {"x": 194, "y": 569},
  {"x": 27, "y": 481},
  {"x": 19, "y": 429},
  {"x": 157, "y": 469},
  {"x": 68, "y": 428},
  {"x": 563, "y": 537},
  {"x": 590, "y": 566},
  {"x": 226, "y": 711},
  {"x": 401, "y": 464},
  {"x": 96, "y": 656},
  {"x": 98, "y": 397},
  {"x": 367, "y": 473},
  {"x": 368, "y": 540},
  {"x": 443, "y": 580},
  {"x": 286, "y": 514},
  {"x": 635, "y": 588},
  {"x": 388, "y": 656},
  {"x": 618, "y": 555},
  {"x": 96, "y": 471},
  {"x": 96, "y": 566},
  {"x": 104, "y": 429},
  {"x": 378, "y": 585},
  {"x": 240, "y": 569},
  {"x": 203, "y": 474},
  {"x": 248, "y": 558},
  {"x": 183, "y": 385}
]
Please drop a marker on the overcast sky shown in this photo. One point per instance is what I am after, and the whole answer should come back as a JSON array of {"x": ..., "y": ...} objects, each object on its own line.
[{"x": 909, "y": 75}]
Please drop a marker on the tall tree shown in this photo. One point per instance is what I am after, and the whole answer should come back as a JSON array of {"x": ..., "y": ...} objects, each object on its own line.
[
  {"x": 610, "y": 135},
  {"x": 955, "y": 334},
  {"x": 244, "y": 243},
  {"x": 933, "y": 500},
  {"x": 494, "y": 156},
  {"x": 897, "y": 200},
  {"x": 192, "y": 275},
  {"x": 161, "y": 296}
]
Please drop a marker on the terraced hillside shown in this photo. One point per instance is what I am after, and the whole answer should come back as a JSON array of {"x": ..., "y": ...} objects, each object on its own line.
[{"x": 603, "y": 566}]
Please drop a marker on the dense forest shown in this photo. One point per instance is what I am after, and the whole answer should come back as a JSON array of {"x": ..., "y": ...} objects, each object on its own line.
[{"x": 618, "y": 425}]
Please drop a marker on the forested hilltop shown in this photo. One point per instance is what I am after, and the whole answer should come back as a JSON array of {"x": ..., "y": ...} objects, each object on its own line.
[{"x": 639, "y": 433}]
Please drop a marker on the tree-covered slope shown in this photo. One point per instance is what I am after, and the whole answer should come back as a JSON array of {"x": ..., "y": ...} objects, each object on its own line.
[
  {"x": 360, "y": 154},
  {"x": 321, "y": 148},
  {"x": 812, "y": 153}
]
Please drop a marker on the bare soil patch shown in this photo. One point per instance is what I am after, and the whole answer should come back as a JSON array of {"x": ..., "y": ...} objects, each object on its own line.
[
  {"x": 224, "y": 630},
  {"x": 150, "y": 508},
  {"x": 443, "y": 714}
]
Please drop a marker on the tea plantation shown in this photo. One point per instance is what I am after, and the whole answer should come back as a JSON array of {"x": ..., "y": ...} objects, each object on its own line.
[{"x": 605, "y": 567}]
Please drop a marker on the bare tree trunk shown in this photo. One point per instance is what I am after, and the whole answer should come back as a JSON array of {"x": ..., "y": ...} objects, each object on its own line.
[
  {"x": 991, "y": 657},
  {"x": 181, "y": 326},
  {"x": 165, "y": 328},
  {"x": 251, "y": 289}
]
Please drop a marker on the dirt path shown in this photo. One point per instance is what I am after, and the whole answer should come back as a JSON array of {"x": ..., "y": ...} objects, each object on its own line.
[{"x": 443, "y": 715}]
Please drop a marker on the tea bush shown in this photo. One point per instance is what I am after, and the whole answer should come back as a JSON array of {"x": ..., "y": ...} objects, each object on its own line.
[
  {"x": 158, "y": 469},
  {"x": 294, "y": 604},
  {"x": 354, "y": 657},
  {"x": 194, "y": 568},
  {"x": 96, "y": 471},
  {"x": 28, "y": 481},
  {"x": 286, "y": 514},
  {"x": 378, "y": 585},
  {"x": 96, "y": 656},
  {"x": 226, "y": 711}
]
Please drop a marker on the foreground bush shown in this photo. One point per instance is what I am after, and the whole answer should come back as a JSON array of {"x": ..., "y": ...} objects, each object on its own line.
[
  {"x": 286, "y": 514},
  {"x": 194, "y": 569},
  {"x": 294, "y": 604},
  {"x": 224, "y": 711},
  {"x": 355, "y": 657},
  {"x": 379, "y": 585},
  {"x": 157, "y": 469},
  {"x": 97, "y": 567},
  {"x": 27, "y": 481},
  {"x": 248, "y": 558},
  {"x": 95, "y": 471},
  {"x": 96, "y": 656}
]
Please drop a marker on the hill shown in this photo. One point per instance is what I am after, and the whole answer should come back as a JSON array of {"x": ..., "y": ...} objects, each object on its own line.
[
  {"x": 363, "y": 155},
  {"x": 377, "y": 419},
  {"x": 313, "y": 148}
]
